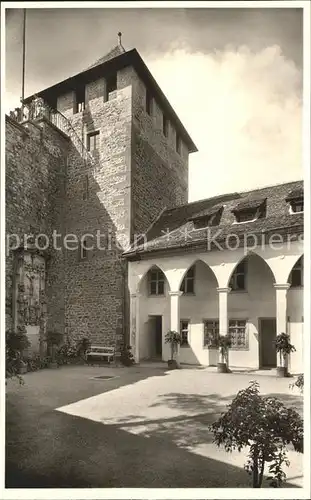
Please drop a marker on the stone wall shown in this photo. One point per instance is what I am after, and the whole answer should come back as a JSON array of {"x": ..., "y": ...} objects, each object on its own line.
[
  {"x": 98, "y": 199},
  {"x": 159, "y": 172},
  {"x": 36, "y": 156}
]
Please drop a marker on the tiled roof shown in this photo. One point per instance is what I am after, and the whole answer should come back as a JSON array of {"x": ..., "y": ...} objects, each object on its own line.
[
  {"x": 115, "y": 52},
  {"x": 295, "y": 194},
  {"x": 174, "y": 229}
]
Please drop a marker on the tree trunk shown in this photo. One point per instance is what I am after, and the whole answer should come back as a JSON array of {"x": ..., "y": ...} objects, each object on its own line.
[
  {"x": 262, "y": 468},
  {"x": 255, "y": 473},
  {"x": 172, "y": 351}
]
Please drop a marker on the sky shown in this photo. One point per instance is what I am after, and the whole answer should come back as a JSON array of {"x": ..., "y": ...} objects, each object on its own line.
[{"x": 234, "y": 77}]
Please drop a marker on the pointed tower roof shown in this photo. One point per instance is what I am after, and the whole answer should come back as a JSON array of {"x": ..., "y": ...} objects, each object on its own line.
[{"x": 115, "y": 52}]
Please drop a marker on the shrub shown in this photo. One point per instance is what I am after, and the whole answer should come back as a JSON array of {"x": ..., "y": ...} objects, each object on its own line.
[
  {"x": 16, "y": 344},
  {"x": 299, "y": 383},
  {"x": 126, "y": 357},
  {"x": 173, "y": 338},
  {"x": 265, "y": 426}
]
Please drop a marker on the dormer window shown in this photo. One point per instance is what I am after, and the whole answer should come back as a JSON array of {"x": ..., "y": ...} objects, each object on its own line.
[
  {"x": 210, "y": 218},
  {"x": 246, "y": 216},
  {"x": 250, "y": 210},
  {"x": 80, "y": 99},
  {"x": 296, "y": 201}
]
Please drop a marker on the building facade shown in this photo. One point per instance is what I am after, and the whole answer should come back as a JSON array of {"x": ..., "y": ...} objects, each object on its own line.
[
  {"x": 94, "y": 159},
  {"x": 233, "y": 264}
]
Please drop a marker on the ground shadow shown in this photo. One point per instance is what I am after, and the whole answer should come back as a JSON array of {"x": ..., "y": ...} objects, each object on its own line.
[{"x": 62, "y": 451}]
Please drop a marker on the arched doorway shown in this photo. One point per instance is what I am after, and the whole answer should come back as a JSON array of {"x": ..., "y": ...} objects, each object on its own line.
[
  {"x": 154, "y": 313},
  {"x": 252, "y": 313},
  {"x": 199, "y": 315}
]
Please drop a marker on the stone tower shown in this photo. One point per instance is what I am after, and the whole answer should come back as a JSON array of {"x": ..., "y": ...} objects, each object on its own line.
[{"x": 128, "y": 161}]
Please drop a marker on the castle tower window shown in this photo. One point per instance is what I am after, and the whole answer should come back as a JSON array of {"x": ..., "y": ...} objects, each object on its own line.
[
  {"x": 178, "y": 143},
  {"x": 80, "y": 99},
  {"x": 111, "y": 86},
  {"x": 148, "y": 102},
  {"x": 165, "y": 126},
  {"x": 93, "y": 141}
]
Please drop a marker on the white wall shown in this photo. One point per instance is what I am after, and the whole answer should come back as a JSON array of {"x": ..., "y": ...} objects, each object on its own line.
[
  {"x": 266, "y": 266},
  {"x": 295, "y": 327}
]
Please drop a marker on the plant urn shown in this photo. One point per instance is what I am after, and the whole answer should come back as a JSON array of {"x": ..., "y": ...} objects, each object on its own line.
[
  {"x": 222, "y": 368},
  {"x": 22, "y": 368},
  {"x": 172, "y": 364},
  {"x": 282, "y": 371}
]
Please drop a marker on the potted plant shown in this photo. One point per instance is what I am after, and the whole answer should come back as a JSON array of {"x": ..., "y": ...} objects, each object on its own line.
[
  {"x": 284, "y": 348},
  {"x": 54, "y": 339},
  {"x": 224, "y": 343},
  {"x": 173, "y": 338},
  {"x": 265, "y": 427}
]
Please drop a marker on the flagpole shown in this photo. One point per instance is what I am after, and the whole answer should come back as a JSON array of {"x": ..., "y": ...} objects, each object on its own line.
[{"x": 24, "y": 61}]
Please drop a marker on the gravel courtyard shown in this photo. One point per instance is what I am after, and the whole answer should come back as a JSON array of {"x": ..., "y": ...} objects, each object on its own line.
[{"x": 143, "y": 427}]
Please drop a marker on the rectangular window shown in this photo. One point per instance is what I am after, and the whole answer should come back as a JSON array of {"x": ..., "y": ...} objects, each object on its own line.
[
  {"x": 82, "y": 250},
  {"x": 111, "y": 86},
  {"x": 156, "y": 282},
  {"x": 178, "y": 144},
  {"x": 238, "y": 334},
  {"x": 93, "y": 141},
  {"x": 211, "y": 332},
  {"x": 238, "y": 278},
  {"x": 148, "y": 102},
  {"x": 165, "y": 126},
  {"x": 80, "y": 99},
  {"x": 184, "y": 333},
  {"x": 85, "y": 195},
  {"x": 187, "y": 286}
]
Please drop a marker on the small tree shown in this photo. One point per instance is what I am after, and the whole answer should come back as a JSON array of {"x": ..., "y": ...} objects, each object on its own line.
[
  {"x": 174, "y": 339},
  {"x": 299, "y": 383},
  {"x": 284, "y": 348},
  {"x": 265, "y": 426}
]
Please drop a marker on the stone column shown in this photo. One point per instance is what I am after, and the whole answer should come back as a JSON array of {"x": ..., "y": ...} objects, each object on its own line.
[
  {"x": 134, "y": 326},
  {"x": 281, "y": 307},
  {"x": 175, "y": 313},
  {"x": 223, "y": 310}
]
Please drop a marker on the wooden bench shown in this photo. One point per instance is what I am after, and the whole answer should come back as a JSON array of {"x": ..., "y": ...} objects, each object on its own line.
[{"x": 99, "y": 351}]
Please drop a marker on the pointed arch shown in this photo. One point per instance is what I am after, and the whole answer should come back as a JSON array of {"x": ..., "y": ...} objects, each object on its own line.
[
  {"x": 144, "y": 277},
  {"x": 239, "y": 271},
  {"x": 295, "y": 277},
  {"x": 193, "y": 263}
]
